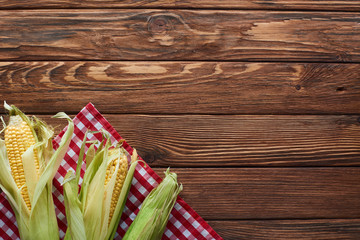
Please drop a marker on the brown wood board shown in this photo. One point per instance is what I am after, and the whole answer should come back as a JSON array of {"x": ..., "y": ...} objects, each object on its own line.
[
  {"x": 133, "y": 34},
  {"x": 238, "y": 141},
  {"x": 271, "y": 193},
  {"x": 182, "y": 87},
  {"x": 353, "y": 5},
  {"x": 320, "y": 229}
]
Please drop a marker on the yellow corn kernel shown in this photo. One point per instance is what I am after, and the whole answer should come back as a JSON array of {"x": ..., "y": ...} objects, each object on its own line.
[
  {"x": 18, "y": 138},
  {"x": 115, "y": 157}
]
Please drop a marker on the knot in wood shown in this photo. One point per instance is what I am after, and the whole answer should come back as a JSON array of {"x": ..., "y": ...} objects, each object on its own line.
[{"x": 159, "y": 24}]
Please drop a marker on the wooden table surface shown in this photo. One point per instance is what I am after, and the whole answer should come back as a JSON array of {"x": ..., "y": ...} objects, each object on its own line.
[{"x": 255, "y": 104}]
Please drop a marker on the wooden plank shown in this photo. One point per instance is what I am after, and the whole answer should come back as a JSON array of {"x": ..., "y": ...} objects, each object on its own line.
[
  {"x": 271, "y": 193},
  {"x": 128, "y": 34},
  {"x": 182, "y": 87},
  {"x": 242, "y": 140},
  {"x": 210, "y": 141},
  {"x": 321, "y": 229},
  {"x": 353, "y": 5}
]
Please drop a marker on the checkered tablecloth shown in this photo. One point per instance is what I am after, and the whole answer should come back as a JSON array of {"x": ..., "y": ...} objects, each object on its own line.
[{"x": 184, "y": 222}]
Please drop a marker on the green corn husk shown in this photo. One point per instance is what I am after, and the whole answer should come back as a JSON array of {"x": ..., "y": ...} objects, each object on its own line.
[
  {"x": 40, "y": 222},
  {"x": 87, "y": 212},
  {"x": 154, "y": 213}
]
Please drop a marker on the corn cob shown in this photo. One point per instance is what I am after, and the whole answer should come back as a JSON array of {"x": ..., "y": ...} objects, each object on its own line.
[
  {"x": 150, "y": 222},
  {"x": 109, "y": 175},
  {"x": 28, "y": 163},
  {"x": 116, "y": 158},
  {"x": 18, "y": 138}
]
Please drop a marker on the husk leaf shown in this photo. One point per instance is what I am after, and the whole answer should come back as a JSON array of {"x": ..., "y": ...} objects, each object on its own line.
[{"x": 74, "y": 215}]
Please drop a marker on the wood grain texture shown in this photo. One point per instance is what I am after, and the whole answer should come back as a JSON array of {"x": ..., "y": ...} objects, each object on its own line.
[
  {"x": 182, "y": 87},
  {"x": 192, "y": 141},
  {"x": 156, "y": 73},
  {"x": 350, "y": 5},
  {"x": 179, "y": 35},
  {"x": 320, "y": 229},
  {"x": 271, "y": 193}
]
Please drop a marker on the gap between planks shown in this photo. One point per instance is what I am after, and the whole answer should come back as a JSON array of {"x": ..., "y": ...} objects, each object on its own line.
[{"x": 185, "y": 9}]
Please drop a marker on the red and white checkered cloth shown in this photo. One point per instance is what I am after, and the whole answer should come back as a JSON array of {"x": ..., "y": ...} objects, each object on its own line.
[{"x": 184, "y": 222}]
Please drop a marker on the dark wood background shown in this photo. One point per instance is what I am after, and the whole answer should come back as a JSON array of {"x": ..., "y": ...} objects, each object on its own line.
[{"x": 254, "y": 103}]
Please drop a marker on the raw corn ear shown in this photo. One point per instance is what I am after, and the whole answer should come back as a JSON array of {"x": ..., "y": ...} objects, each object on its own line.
[
  {"x": 154, "y": 213},
  {"x": 28, "y": 164},
  {"x": 109, "y": 175},
  {"x": 120, "y": 160},
  {"x": 18, "y": 138},
  {"x": 114, "y": 223}
]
